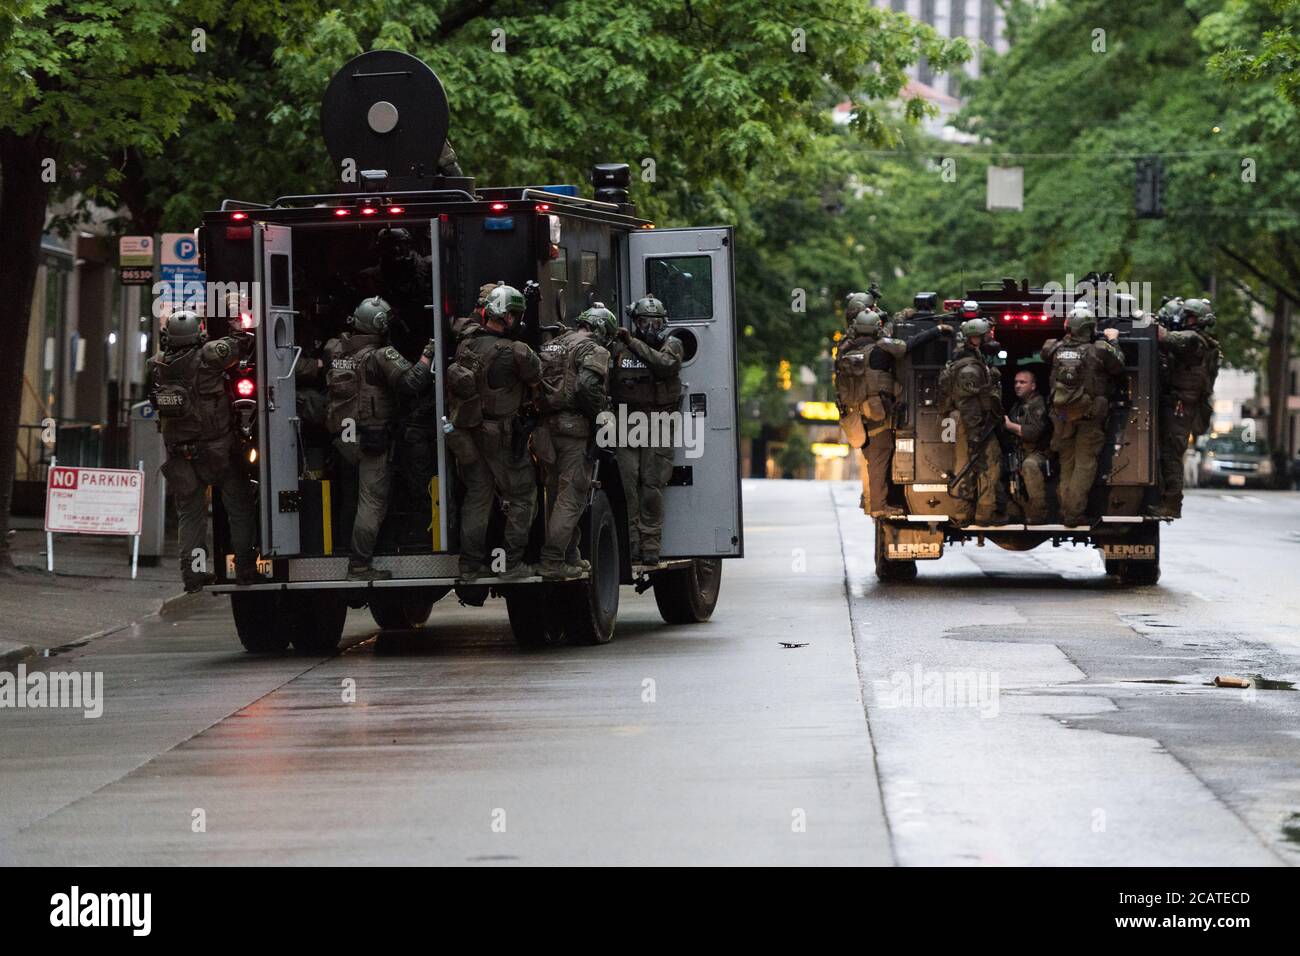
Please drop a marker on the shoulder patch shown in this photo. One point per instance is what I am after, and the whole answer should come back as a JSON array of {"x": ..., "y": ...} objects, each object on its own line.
[{"x": 392, "y": 354}]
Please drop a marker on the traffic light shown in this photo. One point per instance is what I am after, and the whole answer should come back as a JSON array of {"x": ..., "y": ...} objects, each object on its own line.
[{"x": 1149, "y": 187}]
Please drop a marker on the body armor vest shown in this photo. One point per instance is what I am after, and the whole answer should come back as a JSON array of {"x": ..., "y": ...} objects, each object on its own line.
[
  {"x": 190, "y": 399},
  {"x": 1078, "y": 377},
  {"x": 473, "y": 397},
  {"x": 356, "y": 389},
  {"x": 559, "y": 392},
  {"x": 632, "y": 382},
  {"x": 1193, "y": 380}
]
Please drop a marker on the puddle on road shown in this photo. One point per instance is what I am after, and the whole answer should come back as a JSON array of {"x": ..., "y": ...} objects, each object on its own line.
[{"x": 1257, "y": 682}]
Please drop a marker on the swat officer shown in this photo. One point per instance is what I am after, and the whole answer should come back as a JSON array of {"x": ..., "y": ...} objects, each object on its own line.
[
  {"x": 971, "y": 386},
  {"x": 487, "y": 383},
  {"x": 866, "y": 392},
  {"x": 1084, "y": 374},
  {"x": 188, "y": 391},
  {"x": 575, "y": 368},
  {"x": 1188, "y": 372},
  {"x": 365, "y": 376},
  {"x": 1030, "y": 430},
  {"x": 645, "y": 379}
]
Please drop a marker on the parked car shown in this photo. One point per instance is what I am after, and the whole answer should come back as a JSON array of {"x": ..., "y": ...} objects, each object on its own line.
[{"x": 1229, "y": 460}]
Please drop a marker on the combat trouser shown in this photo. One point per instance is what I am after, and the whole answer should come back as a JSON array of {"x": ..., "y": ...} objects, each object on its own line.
[
  {"x": 645, "y": 473},
  {"x": 877, "y": 456},
  {"x": 489, "y": 467},
  {"x": 1175, "y": 431},
  {"x": 976, "y": 496},
  {"x": 210, "y": 463},
  {"x": 1078, "y": 444},
  {"x": 1034, "y": 502},
  {"x": 374, "y": 486},
  {"x": 568, "y": 483}
]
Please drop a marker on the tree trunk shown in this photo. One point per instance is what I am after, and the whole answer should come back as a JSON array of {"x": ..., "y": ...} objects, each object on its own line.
[
  {"x": 23, "y": 198},
  {"x": 1279, "y": 388}
]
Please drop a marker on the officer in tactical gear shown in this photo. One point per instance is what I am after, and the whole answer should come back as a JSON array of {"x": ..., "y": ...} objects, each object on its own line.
[
  {"x": 645, "y": 378},
  {"x": 1030, "y": 430},
  {"x": 866, "y": 392},
  {"x": 575, "y": 369},
  {"x": 365, "y": 377},
  {"x": 188, "y": 390},
  {"x": 1188, "y": 371},
  {"x": 971, "y": 387},
  {"x": 1084, "y": 374},
  {"x": 487, "y": 383}
]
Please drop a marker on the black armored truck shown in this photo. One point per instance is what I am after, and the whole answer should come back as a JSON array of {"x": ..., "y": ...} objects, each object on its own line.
[
  {"x": 406, "y": 225},
  {"x": 1023, "y": 319}
]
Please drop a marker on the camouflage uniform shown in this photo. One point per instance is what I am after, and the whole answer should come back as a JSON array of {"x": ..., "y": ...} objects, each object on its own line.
[
  {"x": 1189, "y": 371},
  {"x": 1030, "y": 448},
  {"x": 201, "y": 446},
  {"x": 974, "y": 392},
  {"x": 1079, "y": 413}
]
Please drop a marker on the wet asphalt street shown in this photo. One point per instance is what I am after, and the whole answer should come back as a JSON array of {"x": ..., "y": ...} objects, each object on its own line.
[{"x": 1077, "y": 727}]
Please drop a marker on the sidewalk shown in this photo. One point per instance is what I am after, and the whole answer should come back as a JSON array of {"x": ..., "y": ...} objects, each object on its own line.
[{"x": 89, "y": 594}]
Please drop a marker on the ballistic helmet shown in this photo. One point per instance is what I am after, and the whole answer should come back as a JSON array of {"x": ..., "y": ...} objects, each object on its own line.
[
  {"x": 600, "y": 320},
  {"x": 183, "y": 329},
  {"x": 1081, "y": 321},
  {"x": 868, "y": 323},
  {"x": 974, "y": 328},
  {"x": 504, "y": 303},
  {"x": 370, "y": 317},
  {"x": 855, "y": 303},
  {"x": 1195, "y": 310}
]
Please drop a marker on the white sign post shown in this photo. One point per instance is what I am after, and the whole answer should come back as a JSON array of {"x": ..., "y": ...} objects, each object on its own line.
[{"x": 93, "y": 501}]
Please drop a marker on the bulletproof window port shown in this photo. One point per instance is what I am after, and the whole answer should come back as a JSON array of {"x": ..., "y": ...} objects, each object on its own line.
[
  {"x": 684, "y": 284},
  {"x": 589, "y": 262},
  {"x": 690, "y": 344},
  {"x": 280, "y": 280}
]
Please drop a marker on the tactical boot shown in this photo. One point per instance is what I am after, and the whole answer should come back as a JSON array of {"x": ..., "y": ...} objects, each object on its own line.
[
  {"x": 1166, "y": 511},
  {"x": 246, "y": 572},
  {"x": 367, "y": 572},
  {"x": 518, "y": 572},
  {"x": 197, "y": 582},
  {"x": 471, "y": 572},
  {"x": 650, "y": 560},
  {"x": 562, "y": 572}
]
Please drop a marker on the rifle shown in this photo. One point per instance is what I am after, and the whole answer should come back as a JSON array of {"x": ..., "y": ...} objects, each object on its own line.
[{"x": 975, "y": 456}]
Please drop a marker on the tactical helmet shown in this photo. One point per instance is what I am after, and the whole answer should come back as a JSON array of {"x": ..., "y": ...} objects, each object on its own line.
[
  {"x": 868, "y": 323},
  {"x": 855, "y": 303},
  {"x": 182, "y": 329},
  {"x": 483, "y": 291},
  {"x": 502, "y": 302},
  {"x": 600, "y": 320},
  {"x": 370, "y": 317},
  {"x": 1080, "y": 319},
  {"x": 648, "y": 308},
  {"x": 974, "y": 328},
  {"x": 390, "y": 240},
  {"x": 1195, "y": 310}
]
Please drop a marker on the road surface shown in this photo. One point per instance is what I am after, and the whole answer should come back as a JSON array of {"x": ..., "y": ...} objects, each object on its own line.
[{"x": 1005, "y": 708}]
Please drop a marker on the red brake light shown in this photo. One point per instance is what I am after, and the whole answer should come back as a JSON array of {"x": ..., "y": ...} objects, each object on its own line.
[
  {"x": 1024, "y": 317},
  {"x": 498, "y": 207},
  {"x": 244, "y": 387},
  {"x": 395, "y": 210},
  {"x": 1007, "y": 317},
  {"x": 543, "y": 207},
  {"x": 342, "y": 212},
  {"x": 367, "y": 210},
  {"x": 239, "y": 215}
]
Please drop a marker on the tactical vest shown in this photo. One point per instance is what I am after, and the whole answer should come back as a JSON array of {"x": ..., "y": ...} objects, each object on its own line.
[
  {"x": 856, "y": 381},
  {"x": 632, "y": 382},
  {"x": 559, "y": 391},
  {"x": 1020, "y": 412},
  {"x": 190, "y": 399},
  {"x": 356, "y": 390},
  {"x": 990, "y": 392},
  {"x": 1194, "y": 381},
  {"x": 1078, "y": 377},
  {"x": 473, "y": 397}
]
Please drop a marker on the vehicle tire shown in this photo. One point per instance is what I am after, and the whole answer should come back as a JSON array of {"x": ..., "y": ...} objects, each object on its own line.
[
  {"x": 259, "y": 621},
  {"x": 534, "y": 616},
  {"x": 1135, "y": 573},
  {"x": 319, "y": 617},
  {"x": 403, "y": 609},
  {"x": 590, "y": 606},
  {"x": 887, "y": 570},
  {"x": 688, "y": 595}
]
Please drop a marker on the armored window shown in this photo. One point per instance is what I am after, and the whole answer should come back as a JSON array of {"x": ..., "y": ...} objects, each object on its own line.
[
  {"x": 589, "y": 261},
  {"x": 684, "y": 284},
  {"x": 280, "y": 281}
]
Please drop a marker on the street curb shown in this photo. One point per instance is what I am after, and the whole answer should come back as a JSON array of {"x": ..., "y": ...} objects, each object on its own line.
[
  {"x": 11, "y": 655},
  {"x": 180, "y": 603}
]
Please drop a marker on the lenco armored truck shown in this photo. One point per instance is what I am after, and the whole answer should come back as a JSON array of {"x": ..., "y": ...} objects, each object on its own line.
[
  {"x": 426, "y": 238},
  {"x": 923, "y": 464}
]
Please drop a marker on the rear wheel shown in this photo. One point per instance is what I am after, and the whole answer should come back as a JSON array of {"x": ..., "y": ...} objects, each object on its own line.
[
  {"x": 887, "y": 570},
  {"x": 403, "y": 608},
  {"x": 1134, "y": 573},
  {"x": 590, "y": 606},
  {"x": 535, "y": 617},
  {"x": 260, "y": 621},
  {"x": 688, "y": 595},
  {"x": 318, "y": 620}
]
